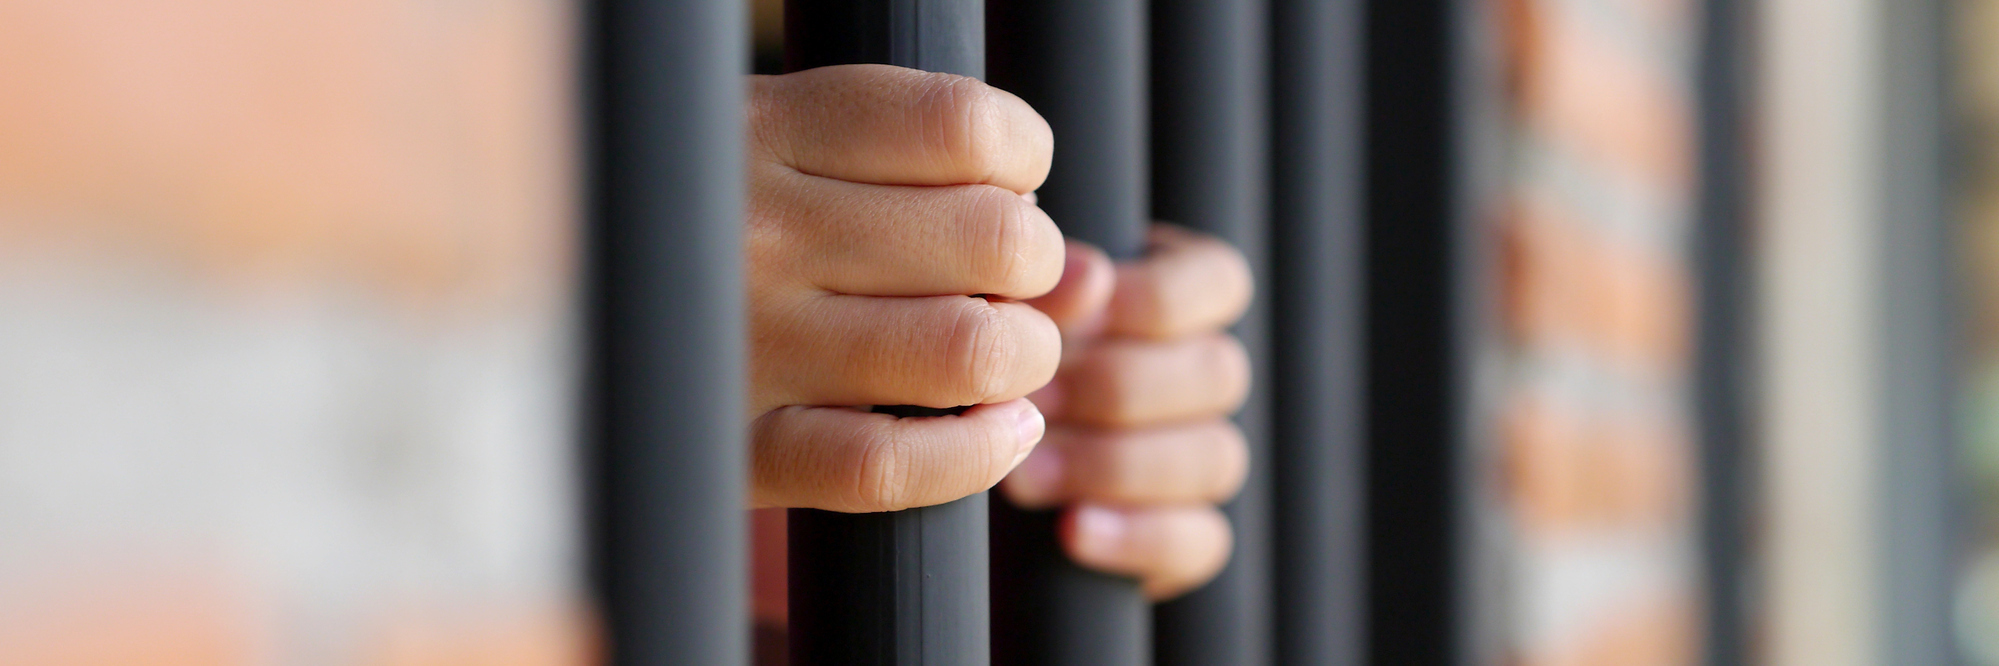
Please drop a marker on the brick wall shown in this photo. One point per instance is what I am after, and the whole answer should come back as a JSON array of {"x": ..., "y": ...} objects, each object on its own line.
[
  {"x": 1594, "y": 442},
  {"x": 285, "y": 359}
]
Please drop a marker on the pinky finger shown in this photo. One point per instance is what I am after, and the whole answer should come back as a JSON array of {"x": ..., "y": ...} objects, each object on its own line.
[{"x": 1170, "y": 550}]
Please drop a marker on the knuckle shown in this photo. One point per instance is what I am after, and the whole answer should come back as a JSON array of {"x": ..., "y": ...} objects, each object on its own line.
[
  {"x": 1222, "y": 540},
  {"x": 983, "y": 350},
  {"x": 967, "y": 121},
  {"x": 1232, "y": 370},
  {"x": 1231, "y": 460},
  {"x": 1117, "y": 403},
  {"x": 763, "y": 116},
  {"x": 1146, "y": 311},
  {"x": 1241, "y": 282},
  {"x": 882, "y": 473},
  {"x": 1005, "y": 243},
  {"x": 1200, "y": 542},
  {"x": 1124, "y": 473}
]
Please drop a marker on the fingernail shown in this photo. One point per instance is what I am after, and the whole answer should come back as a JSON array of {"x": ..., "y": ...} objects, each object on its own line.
[
  {"x": 1034, "y": 481},
  {"x": 1030, "y": 425},
  {"x": 1099, "y": 530}
]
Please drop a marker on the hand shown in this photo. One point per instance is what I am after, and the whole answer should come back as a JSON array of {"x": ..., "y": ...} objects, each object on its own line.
[
  {"x": 881, "y": 200},
  {"x": 1139, "y": 446}
]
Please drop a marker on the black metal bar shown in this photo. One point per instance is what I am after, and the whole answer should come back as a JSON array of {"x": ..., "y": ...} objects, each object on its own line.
[
  {"x": 668, "y": 329},
  {"x": 1318, "y": 319},
  {"x": 907, "y": 587},
  {"x": 1412, "y": 358},
  {"x": 1210, "y": 118},
  {"x": 1725, "y": 342},
  {"x": 1082, "y": 66}
]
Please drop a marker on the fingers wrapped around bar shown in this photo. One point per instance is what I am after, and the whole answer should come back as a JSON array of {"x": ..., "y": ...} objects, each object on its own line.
[
  {"x": 1170, "y": 549},
  {"x": 890, "y": 238},
  {"x": 939, "y": 352},
  {"x": 1140, "y": 448},
  {"x": 1200, "y": 462},
  {"x": 896, "y": 126}
]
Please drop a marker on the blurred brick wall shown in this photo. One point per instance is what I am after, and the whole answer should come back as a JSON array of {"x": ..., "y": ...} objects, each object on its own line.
[
  {"x": 285, "y": 346},
  {"x": 1597, "y": 486}
]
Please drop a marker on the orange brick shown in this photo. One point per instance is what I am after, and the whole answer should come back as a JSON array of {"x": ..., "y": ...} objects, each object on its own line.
[
  {"x": 422, "y": 158},
  {"x": 484, "y": 635},
  {"x": 1566, "y": 471},
  {"x": 116, "y": 615},
  {"x": 1597, "y": 97},
  {"x": 1563, "y": 285}
]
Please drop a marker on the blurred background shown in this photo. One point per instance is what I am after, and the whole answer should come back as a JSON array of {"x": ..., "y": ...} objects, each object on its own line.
[{"x": 289, "y": 316}]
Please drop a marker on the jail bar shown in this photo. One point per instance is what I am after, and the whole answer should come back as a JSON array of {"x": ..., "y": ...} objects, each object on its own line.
[
  {"x": 1917, "y": 353},
  {"x": 1724, "y": 343},
  {"x": 907, "y": 587},
  {"x": 1317, "y": 424},
  {"x": 1413, "y": 403},
  {"x": 1082, "y": 65},
  {"x": 1210, "y": 172},
  {"x": 668, "y": 328}
]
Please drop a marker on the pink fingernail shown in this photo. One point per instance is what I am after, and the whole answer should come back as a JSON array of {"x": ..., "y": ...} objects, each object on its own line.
[{"x": 1030, "y": 426}]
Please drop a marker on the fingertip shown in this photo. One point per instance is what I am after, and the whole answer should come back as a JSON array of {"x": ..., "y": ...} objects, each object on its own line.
[
  {"x": 1171, "y": 550},
  {"x": 1233, "y": 470},
  {"x": 1021, "y": 422},
  {"x": 1205, "y": 539},
  {"x": 1033, "y": 136},
  {"x": 1095, "y": 536},
  {"x": 1029, "y": 426},
  {"x": 1036, "y": 483},
  {"x": 1050, "y": 398},
  {"x": 1084, "y": 290},
  {"x": 1233, "y": 368},
  {"x": 1093, "y": 268},
  {"x": 1188, "y": 282}
]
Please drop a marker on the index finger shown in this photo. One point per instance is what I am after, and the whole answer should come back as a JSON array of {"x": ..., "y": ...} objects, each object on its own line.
[
  {"x": 897, "y": 126},
  {"x": 1188, "y": 282}
]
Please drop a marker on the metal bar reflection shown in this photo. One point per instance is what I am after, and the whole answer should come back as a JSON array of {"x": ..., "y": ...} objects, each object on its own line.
[
  {"x": 1210, "y": 172},
  {"x": 1414, "y": 357},
  {"x": 668, "y": 329},
  {"x": 1082, "y": 65},
  {"x": 1318, "y": 426},
  {"x": 907, "y": 587}
]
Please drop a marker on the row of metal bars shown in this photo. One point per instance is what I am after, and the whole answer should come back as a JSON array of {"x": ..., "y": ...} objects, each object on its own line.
[
  {"x": 1241, "y": 118},
  {"x": 1327, "y": 139}
]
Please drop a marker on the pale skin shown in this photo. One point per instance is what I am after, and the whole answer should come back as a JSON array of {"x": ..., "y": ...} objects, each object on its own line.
[{"x": 882, "y": 200}]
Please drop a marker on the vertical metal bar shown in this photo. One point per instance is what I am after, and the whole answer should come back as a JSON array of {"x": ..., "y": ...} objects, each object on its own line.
[
  {"x": 908, "y": 587},
  {"x": 1412, "y": 351},
  {"x": 668, "y": 328},
  {"x": 1923, "y": 489},
  {"x": 1210, "y": 118},
  {"x": 1082, "y": 65},
  {"x": 1725, "y": 343},
  {"x": 1318, "y": 320}
]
